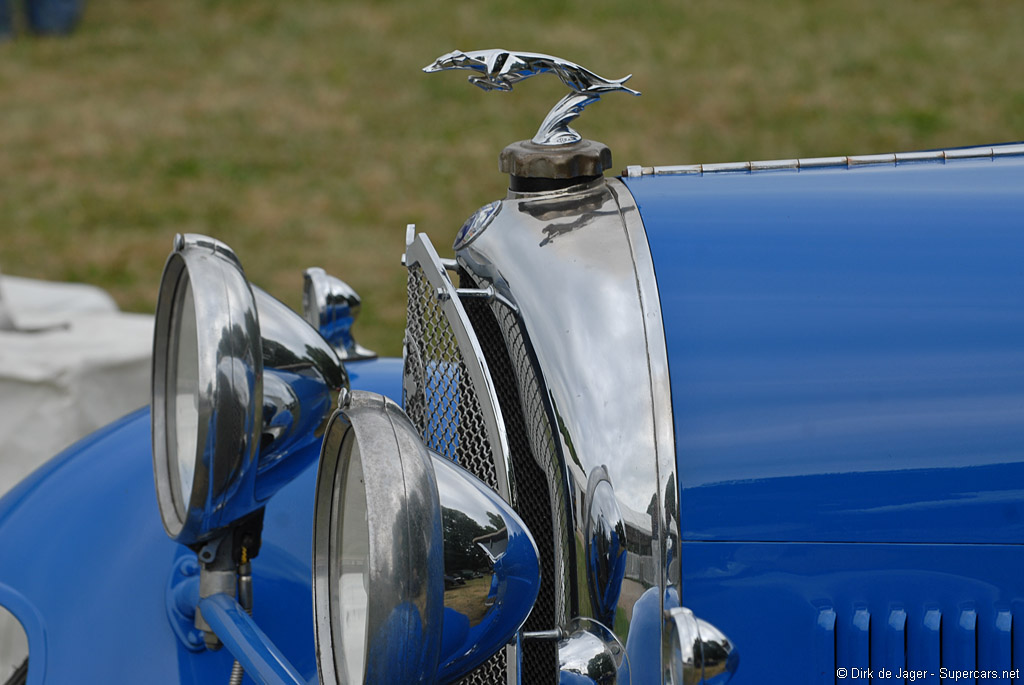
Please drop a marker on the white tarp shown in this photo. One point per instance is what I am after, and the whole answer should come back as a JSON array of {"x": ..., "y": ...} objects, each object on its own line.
[{"x": 70, "y": 362}]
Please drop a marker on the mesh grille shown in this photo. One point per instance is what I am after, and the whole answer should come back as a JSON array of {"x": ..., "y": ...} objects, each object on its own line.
[
  {"x": 492, "y": 672},
  {"x": 541, "y": 442},
  {"x": 533, "y": 502},
  {"x": 438, "y": 394},
  {"x": 442, "y": 404}
]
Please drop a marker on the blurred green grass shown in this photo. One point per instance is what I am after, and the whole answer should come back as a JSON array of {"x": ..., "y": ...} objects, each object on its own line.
[{"x": 303, "y": 133}]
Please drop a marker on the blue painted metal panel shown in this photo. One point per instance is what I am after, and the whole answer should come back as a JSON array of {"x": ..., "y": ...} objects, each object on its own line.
[
  {"x": 797, "y": 609},
  {"x": 88, "y": 526},
  {"x": 846, "y": 349}
]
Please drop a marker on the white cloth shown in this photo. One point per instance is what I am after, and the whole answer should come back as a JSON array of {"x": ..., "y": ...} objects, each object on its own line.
[{"x": 73, "y": 364}]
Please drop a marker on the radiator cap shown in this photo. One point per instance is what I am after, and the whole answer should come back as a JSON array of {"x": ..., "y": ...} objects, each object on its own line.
[{"x": 532, "y": 167}]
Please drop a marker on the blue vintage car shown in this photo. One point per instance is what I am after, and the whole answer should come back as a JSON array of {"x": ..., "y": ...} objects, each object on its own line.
[{"x": 641, "y": 424}]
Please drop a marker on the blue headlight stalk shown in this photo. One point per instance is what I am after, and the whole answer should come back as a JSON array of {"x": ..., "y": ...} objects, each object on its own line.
[{"x": 420, "y": 572}]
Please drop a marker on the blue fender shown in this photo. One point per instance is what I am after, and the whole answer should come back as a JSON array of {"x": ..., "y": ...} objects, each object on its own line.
[{"x": 86, "y": 562}]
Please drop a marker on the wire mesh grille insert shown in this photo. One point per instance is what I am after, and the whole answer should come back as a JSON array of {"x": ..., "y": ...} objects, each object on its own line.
[
  {"x": 448, "y": 397},
  {"x": 439, "y": 395},
  {"x": 501, "y": 342}
]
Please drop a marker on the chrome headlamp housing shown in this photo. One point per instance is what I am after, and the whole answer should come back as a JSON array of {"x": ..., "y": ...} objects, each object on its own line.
[
  {"x": 393, "y": 524},
  {"x": 207, "y": 387},
  {"x": 378, "y": 561},
  {"x": 243, "y": 388}
]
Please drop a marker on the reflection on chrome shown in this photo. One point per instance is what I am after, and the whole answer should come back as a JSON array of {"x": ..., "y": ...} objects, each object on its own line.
[
  {"x": 303, "y": 376},
  {"x": 697, "y": 652},
  {"x": 490, "y": 566},
  {"x": 605, "y": 536},
  {"x": 719, "y": 655},
  {"x": 497, "y": 69},
  {"x": 236, "y": 375},
  {"x": 593, "y": 654},
  {"x": 603, "y": 376},
  {"x": 207, "y": 394},
  {"x": 376, "y": 541},
  {"x": 332, "y": 306}
]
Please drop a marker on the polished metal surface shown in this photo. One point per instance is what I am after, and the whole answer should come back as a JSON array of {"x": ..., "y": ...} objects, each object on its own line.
[
  {"x": 491, "y": 570},
  {"x": 204, "y": 293},
  {"x": 683, "y": 658},
  {"x": 447, "y": 387},
  {"x": 605, "y": 550},
  {"x": 577, "y": 266},
  {"x": 476, "y": 224},
  {"x": 291, "y": 345},
  {"x": 498, "y": 69},
  {"x": 332, "y": 306},
  {"x": 719, "y": 656},
  {"x": 402, "y": 563},
  {"x": 697, "y": 652},
  {"x": 303, "y": 375},
  {"x": 635, "y": 170},
  {"x": 216, "y": 343},
  {"x": 593, "y": 654}
]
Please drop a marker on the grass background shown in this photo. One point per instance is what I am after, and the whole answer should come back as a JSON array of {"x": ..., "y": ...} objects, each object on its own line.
[{"x": 302, "y": 133}]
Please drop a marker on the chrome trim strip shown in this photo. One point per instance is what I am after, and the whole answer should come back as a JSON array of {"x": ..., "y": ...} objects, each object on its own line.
[
  {"x": 862, "y": 160},
  {"x": 678, "y": 169},
  {"x": 819, "y": 162},
  {"x": 725, "y": 167},
  {"x": 775, "y": 164},
  {"x": 925, "y": 156},
  {"x": 1007, "y": 150},
  {"x": 420, "y": 251},
  {"x": 969, "y": 153}
]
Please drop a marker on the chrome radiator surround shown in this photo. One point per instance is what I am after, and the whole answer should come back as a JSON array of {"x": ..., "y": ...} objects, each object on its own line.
[{"x": 577, "y": 267}]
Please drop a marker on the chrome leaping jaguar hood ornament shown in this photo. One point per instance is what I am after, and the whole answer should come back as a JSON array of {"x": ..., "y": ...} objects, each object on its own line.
[{"x": 499, "y": 69}]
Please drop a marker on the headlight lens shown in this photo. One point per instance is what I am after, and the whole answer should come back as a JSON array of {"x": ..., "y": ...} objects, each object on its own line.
[
  {"x": 183, "y": 411},
  {"x": 350, "y": 567}
]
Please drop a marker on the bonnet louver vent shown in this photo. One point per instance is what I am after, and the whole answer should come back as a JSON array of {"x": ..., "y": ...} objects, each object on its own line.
[{"x": 882, "y": 646}]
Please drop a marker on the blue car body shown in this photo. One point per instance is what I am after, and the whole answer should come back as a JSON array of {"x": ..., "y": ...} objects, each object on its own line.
[
  {"x": 846, "y": 353},
  {"x": 847, "y": 356}
]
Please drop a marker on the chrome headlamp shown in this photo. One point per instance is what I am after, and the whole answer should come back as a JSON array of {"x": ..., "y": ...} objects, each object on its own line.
[
  {"x": 242, "y": 390},
  {"x": 207, "y": 386},
  {"x": 385, "y": 510}
]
